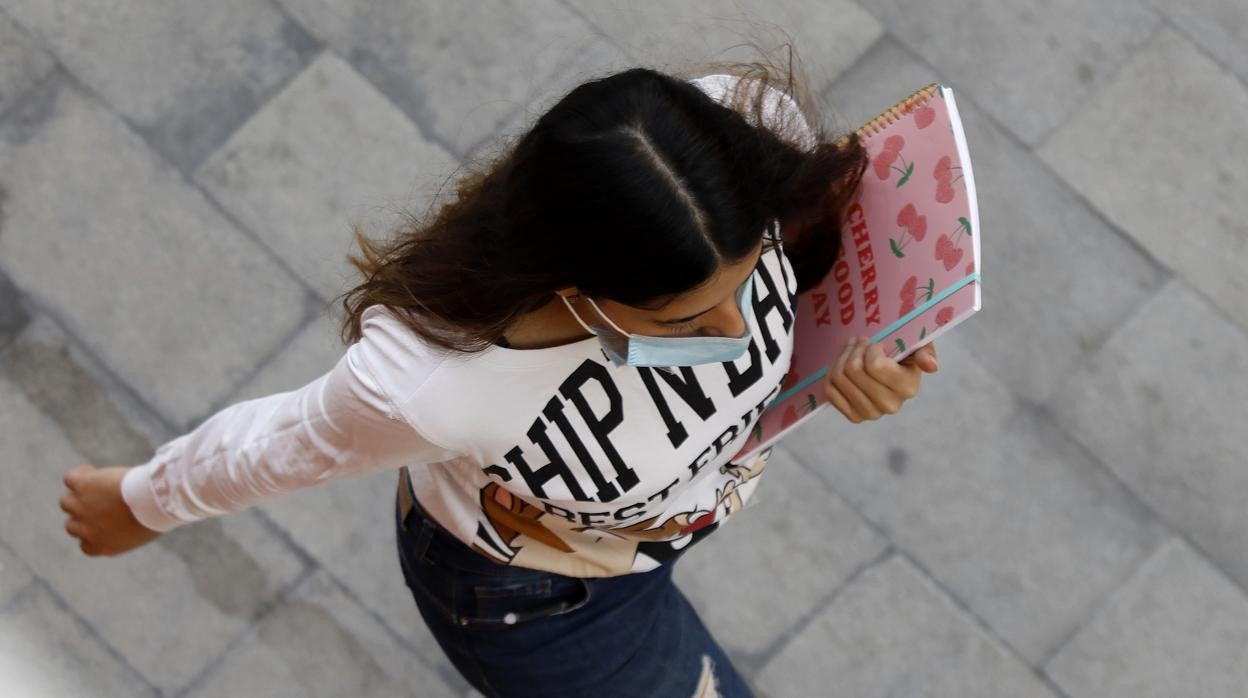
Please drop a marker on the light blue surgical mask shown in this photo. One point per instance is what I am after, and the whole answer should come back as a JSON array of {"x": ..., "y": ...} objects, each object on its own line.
[{"x": 643, "y": 350}]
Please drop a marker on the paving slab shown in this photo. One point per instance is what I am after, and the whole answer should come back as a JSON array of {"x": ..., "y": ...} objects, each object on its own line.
[
  {"x": 100, "y": 416},
  {"x": 459, "y": 69},
  {"x": 14, "y": 575},
  {"x": 828, "y": 36},
  {"x": 792, "y": 547},
  {"x": 195, "y": 292},
  {"x": 319, "y": 642},
  {"x": 186, "y": 73},
  {"x": 326, "y": 152},
  {"x": 1182, "y": 197},
  {"x": 1161, "y": 406},
  {"x": 1219, "y": 26},
  {"x": 892, "y": 632},
  {"x": 46, "y": 651},
  {"x": 13, "y": 314},
  {"x": 1028, "y": 66},
  {"x": 598, "y": 59},
  {"x": 1178, "y": 628},
  {"x": 1057, "y": 277},
  {"x": 211, "y": 577},
  {"x": 347, "y": 526},
  {"x": 1016, "y": 520},
  {"x": 23, "y": 62},
  {"x": 312, "y": 352}
]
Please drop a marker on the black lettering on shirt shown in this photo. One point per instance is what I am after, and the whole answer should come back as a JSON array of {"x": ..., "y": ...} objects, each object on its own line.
[
  {"x": 688, "y": 389},
  {"x": 772, "y": 302},
  {"x": 662, "y": 494},
  {"x": 554, "y": 412},
  {"x": 639, "y": 506},
  {"x": 572, "y": 389},
  {"x": 498, "y": 470},
  {"x": 535, "y": 478},
  {"x": 741, "y": 381},
  {"x": 586, "y": 519},
  {"x": 556, "y": 510}
]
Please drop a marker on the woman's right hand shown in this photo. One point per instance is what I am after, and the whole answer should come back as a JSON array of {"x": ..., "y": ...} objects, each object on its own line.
[{"x": 98, "y": 516}]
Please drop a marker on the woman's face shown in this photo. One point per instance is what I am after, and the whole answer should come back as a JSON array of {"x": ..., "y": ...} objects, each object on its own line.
[{"x": 708, "y": 311}]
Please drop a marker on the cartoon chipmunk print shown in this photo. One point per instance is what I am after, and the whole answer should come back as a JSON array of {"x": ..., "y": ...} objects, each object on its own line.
[{"x": 538, "y": 540}]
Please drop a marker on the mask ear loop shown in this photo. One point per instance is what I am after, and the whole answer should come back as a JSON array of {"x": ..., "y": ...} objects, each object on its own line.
[
  {"x": 576, "y": 315},
  {"x": 601, "y": 314}
]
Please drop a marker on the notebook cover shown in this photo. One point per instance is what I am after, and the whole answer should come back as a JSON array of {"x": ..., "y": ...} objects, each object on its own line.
[{"x": 909, "y": 264}]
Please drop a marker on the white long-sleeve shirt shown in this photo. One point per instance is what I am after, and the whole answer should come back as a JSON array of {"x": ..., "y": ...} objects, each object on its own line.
[{"x": 551, "y": 459}]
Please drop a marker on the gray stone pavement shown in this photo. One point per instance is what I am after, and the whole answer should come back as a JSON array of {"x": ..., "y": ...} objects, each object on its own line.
[{"x": 1060, "y": 513}]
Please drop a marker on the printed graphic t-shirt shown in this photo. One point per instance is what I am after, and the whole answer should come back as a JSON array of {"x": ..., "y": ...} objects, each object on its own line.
[{"x": 552, "y": 459}]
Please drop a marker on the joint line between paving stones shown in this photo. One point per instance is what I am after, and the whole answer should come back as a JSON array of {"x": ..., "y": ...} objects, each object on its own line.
[
  {"x": 66, "y": 326},
  {"x": 347, "y": 591},
  {"x": 982, "y": 624},
  {"x": 1164, "y": 522},
  {"x": 1200, "y": 47},
  {"x": 899, "y": 550},
  {"x": 309, "y": 317},
  {"x": 265, "y": 610},
  {"x": 1096, "y": 607},
  {"x": 262, "y": 100},
  {"x": 20, "y": 591},
  {"x": 139, "y": 133},
  {"x": 825, "y": 94},
  {"x": 92, "y": 632},
  {"x": 115, "y": 382},
  {"x": 188, "y": 181},
  {"x": 1107, "y": 79},
  {"x": 769, "y": 653},
  {"x": 849, "y": 504},
  {"x": 306, "y": 558}
]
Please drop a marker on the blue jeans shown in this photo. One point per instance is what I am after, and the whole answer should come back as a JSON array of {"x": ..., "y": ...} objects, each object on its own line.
[{"x": 518, "y": 632}]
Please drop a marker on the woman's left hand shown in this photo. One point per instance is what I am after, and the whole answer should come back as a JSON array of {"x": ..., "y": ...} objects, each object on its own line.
[{"x": 865, "y": 383}]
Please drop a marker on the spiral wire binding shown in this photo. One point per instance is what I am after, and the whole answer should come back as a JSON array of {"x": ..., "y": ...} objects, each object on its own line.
[{"x": 893, "y": 113}]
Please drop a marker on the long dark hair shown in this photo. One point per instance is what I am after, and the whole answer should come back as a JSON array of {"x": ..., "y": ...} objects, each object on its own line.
[{"x": 635, "y": 187}]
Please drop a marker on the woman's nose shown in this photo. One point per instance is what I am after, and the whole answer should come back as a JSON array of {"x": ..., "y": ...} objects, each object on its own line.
[{"x": 726, "y": 320}]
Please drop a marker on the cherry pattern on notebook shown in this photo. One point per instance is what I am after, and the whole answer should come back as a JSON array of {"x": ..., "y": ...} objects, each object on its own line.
[
  {"x": 883, "y": 162},
  {"x": 947, "y": 250},
  {"x": 943, "y": 173},
  {"x": 913, "y": 224},
  {"x": 910, "y": 290}
]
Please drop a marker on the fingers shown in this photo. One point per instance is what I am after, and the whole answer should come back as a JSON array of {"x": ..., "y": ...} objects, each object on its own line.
[
  {"x": 834, "y": 395},
  {"x": 846, "y": 376},
  {"x": 86, "y": 537},
  {"x": 924, "y": 358},
  {"x": 75, "y": 526},
  {"x": 886, "y": 381},
  {"x": 72, "y": 477},
  {"x": 70, "y": 504},
  {"x": 77, "y": 529}
]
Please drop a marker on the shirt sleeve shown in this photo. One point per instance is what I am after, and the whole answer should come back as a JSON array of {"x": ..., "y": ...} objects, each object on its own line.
[{"x": 342, "y": 424}]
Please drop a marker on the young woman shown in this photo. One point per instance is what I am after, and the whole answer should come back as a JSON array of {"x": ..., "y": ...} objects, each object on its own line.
[{"x": 562, "y": 364}]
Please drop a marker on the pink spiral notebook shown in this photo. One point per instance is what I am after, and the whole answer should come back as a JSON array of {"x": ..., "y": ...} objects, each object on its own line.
[{"x": 908, "y": 270}]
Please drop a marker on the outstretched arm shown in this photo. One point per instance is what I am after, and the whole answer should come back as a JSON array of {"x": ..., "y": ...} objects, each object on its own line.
[{"x": 342, "y": 424}]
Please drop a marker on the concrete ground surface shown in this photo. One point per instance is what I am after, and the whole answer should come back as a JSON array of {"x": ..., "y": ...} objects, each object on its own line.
[{"x": 1060, "y": 512}]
